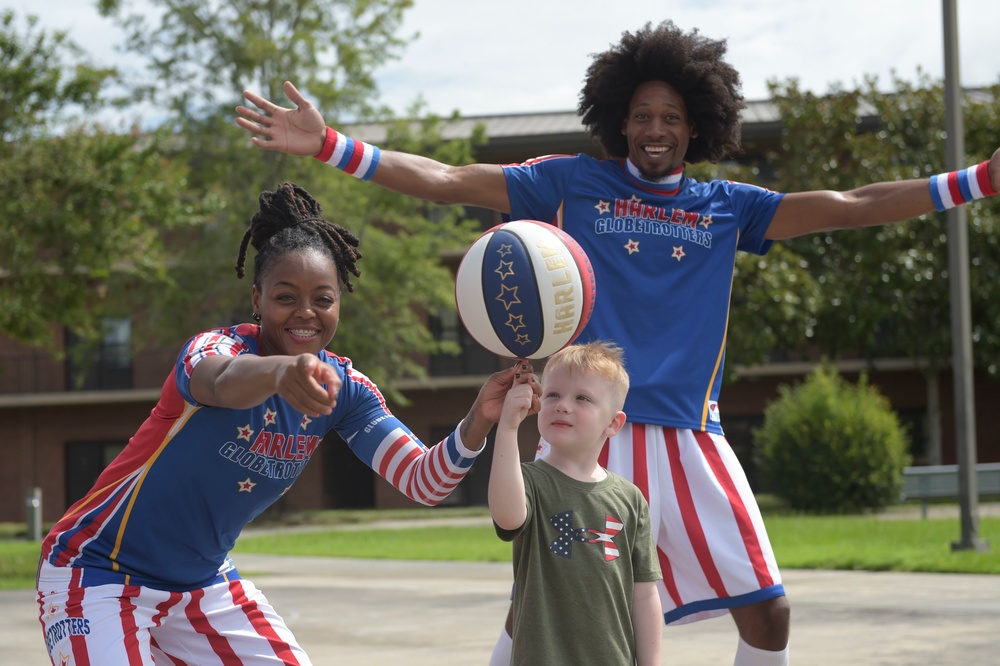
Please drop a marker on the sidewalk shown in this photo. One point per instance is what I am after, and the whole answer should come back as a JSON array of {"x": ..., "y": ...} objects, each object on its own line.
[{"x": 382, "y": 612}]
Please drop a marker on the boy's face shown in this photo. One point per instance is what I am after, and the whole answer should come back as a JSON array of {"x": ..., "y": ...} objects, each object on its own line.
[
  {"x": 576, "y": 409},
  {"x": 658, "y": 129}
]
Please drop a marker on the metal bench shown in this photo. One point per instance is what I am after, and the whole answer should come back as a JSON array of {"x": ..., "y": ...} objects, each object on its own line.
[{"x": 928, "y": 482}]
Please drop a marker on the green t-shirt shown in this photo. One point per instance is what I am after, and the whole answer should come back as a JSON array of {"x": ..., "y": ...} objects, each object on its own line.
[{"x": 576, "y": 559}]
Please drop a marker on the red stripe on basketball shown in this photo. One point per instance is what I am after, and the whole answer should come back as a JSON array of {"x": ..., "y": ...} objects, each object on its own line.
[
  {"x": 692, "y": 525},
  {"x": 743, "y": 521}
]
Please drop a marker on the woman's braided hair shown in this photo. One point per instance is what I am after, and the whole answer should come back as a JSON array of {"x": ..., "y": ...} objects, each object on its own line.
[
  {"x": 289, "y": 220},
  {"x": 689, "y": 62}
]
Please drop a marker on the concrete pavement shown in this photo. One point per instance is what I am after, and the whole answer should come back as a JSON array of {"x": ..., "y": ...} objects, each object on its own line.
[{"x": 381, "y": 612}]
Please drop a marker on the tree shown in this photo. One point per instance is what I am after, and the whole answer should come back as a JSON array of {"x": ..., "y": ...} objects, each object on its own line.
[
  {"x": 83, "y": 222},
  {"x": 886, "y": 289},
  {"x": 201, "y": 56},
  {"x": 829, "y": 446}
]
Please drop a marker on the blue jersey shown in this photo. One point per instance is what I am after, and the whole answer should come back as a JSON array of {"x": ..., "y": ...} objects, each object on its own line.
[
  {"x": 663, "y": 258},
  {"x": 166, "y": 512}
]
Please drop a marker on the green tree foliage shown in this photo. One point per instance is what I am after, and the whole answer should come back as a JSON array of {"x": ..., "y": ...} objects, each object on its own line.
[
  {"x": 886, "y": 289},
  {"x": 85, "y": 211},
  {"x": 829, "y": 446},
  {"x": 202, "y": 55},
  {"x": 201, "y": 52},
  {"x": 35, "y": 83}
]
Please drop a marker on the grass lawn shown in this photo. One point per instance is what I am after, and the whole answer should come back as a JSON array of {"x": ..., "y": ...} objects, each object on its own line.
[{"x": 875, "y": 543}]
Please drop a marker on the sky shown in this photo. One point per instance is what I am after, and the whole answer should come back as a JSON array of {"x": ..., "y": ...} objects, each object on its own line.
[{"x": 523, "y": 56}]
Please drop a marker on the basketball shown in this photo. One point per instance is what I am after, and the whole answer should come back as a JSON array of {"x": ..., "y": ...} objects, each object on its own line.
[{"x": 525, "y": 289}]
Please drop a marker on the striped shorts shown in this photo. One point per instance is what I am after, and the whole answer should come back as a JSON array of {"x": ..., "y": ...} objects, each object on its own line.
[
  {"x": 230, "y": 622},
  {"x": 713, "y": 549}
]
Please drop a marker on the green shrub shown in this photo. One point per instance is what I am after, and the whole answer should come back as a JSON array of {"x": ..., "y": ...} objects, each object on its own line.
[{"x": 828, "y": 446}]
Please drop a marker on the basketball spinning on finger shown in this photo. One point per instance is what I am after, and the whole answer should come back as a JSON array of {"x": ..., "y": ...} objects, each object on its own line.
[{"x": 525, "y": 289}]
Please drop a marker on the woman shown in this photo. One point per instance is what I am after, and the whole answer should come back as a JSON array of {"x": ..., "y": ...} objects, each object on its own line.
[{"x": 138, "y": 569}]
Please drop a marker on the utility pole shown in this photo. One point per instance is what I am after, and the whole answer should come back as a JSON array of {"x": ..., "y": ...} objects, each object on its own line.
[{"x": 961, "y": 317}]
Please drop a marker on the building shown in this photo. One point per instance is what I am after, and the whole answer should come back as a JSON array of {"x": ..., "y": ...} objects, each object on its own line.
[{"x": 62, "y": 432}]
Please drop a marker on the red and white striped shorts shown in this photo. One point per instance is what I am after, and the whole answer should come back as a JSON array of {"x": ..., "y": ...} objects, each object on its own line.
[
  {"x": 710, "y": 538},
  {"x": 227, "y": 623}
]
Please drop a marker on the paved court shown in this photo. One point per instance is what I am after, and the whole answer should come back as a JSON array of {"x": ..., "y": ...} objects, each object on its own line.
[{"x": 386, "y": 612}]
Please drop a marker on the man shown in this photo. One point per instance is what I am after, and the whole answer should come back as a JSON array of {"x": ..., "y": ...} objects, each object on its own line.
[{"x": 663, "y": 248}]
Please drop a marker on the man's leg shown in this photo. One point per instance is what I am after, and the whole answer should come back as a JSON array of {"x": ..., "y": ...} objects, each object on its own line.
[{"x": 764, "y": 630}]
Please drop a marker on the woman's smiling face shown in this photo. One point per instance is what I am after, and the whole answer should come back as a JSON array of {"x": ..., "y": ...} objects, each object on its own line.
[{"x": 299, "y": 303}]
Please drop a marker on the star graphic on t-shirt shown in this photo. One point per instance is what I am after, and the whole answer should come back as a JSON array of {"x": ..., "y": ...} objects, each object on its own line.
[
  {"x": 678, "y": 252},
  {"x": 270, "y": 417},
  {"x": 246, "y": 486},
  {"x": 632, "y": 246},
  {"x": 304, "y": 423},
  {"x": 244, "y": 432},
  {"x": 706, "y": 220},
  {"x": 504, "y": 269},
  {"x": 603, "y": 206}
]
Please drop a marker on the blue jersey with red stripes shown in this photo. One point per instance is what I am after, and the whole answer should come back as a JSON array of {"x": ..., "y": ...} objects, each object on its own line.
[
  {"x": 663, "y": 256},
  {"x": 166, "y": 512}
]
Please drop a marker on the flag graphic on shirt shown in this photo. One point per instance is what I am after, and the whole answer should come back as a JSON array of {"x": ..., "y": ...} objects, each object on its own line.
[{"x": 563, "y": 544}]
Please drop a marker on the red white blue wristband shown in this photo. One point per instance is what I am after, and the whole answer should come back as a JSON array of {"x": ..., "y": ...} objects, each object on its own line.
[
  {"x": 959, "y": 187},
  {"x": 355, "y": 157}
]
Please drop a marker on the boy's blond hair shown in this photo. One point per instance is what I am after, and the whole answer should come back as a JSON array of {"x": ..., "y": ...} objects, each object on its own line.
[{"x": 604, "y": 359}]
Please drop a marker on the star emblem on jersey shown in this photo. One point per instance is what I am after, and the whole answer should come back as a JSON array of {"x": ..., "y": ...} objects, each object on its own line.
[
  {"x": 246, "y": 486},
  {"x": 244, "y": 432},
  {"x": 270, "y": 417},
  {"x": 563, "y": 544},
  {"x": 603, "y": 207},
  {"x": 632, "y": 246},
  {"x": 305, "y": 422},
  {"x": 678, "y": 252},
  {"x": 706, "y": 220}
]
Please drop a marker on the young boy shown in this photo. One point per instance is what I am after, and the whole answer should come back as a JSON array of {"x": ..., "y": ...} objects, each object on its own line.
[{"x": 585, "y": 566}]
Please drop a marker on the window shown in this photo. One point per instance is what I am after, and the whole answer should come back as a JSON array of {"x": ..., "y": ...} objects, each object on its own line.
[
  {"x": 84, "y": 463},
  {"x": 104, "y": 365}
]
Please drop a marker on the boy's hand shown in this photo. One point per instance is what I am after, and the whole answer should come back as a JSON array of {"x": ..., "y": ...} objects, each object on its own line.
[{"x": 519, "y": 402}]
